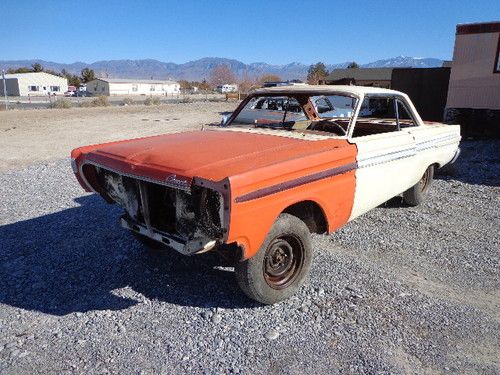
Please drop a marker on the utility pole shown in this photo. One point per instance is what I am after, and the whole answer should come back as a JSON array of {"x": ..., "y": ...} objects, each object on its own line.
[{"x": 5, "y": 90}]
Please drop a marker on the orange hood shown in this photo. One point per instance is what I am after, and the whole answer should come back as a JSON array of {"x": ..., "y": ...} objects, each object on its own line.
[{"x": 212, "y": 155}]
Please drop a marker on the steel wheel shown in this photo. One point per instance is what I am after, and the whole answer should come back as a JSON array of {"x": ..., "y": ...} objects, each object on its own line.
[
  {"x": 416, "y": 194},
  {"x": 281, "y": 265},
  {"x": 283, "y": 261},
  {"x": 424, "y": 181}
]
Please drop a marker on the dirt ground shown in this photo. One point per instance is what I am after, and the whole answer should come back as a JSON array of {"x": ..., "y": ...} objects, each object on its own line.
[{"x": 29, "y": 136}]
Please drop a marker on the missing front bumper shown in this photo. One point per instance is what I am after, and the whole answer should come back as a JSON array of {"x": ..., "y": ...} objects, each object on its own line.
[{"x": 195, "y": 246}]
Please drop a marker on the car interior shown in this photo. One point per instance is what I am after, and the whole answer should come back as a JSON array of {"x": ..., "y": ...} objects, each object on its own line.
[{"x": 378, "y": 114}]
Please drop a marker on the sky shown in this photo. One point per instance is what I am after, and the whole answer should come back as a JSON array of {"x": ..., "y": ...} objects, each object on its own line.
[{"x": 276, "y": 32}]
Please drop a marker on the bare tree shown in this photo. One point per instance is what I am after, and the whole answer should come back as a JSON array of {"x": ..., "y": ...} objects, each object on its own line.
[
  {"x": 221, "y": 75},
  {"x": 247, "y": 84}
]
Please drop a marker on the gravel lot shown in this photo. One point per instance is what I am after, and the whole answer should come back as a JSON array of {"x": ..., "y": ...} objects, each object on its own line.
[{"x": 399, "y": 290}]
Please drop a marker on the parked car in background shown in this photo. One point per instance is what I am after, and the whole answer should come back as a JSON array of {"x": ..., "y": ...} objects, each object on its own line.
[{"x": 289, "y": 161}]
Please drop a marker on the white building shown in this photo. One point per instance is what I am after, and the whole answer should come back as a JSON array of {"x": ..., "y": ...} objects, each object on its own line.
[
  {"x": 227, "y": 88},
  {"x": 124, "y": 86},
  {"x": 33, "y": 84}
]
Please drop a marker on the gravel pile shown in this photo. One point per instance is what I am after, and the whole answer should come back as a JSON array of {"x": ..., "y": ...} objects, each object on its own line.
[{"x": 399, "y": 290}]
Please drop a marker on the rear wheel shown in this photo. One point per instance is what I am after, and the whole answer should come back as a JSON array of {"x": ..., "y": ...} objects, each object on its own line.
[
  {"x": 416, "y": 194},
  {"x": 281, "y": 265}
]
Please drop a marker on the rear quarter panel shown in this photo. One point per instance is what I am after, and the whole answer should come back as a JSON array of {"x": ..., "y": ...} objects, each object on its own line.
[{"x": 435, "y": 143}]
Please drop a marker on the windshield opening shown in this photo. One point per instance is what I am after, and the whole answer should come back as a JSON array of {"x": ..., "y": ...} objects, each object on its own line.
[{"x": 327, "y": 113}]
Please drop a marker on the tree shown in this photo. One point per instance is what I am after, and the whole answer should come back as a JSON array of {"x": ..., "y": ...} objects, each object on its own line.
[
  {"x": 316, "y": 72},
  {"x": 37, "y": 67},
  {"x": 269, "y": 78},
  {"x": 353, "y": 65},
  {"x": 247, "y": 83},
  {"x": 73, "y": 80},
  {"x": 87, "y": 75},
  {"x": 221, "y": 75},
  {"x": 19, "y": 70},
  {"x": 203, "y": 85},
  {"x": 185, "y": 85}
]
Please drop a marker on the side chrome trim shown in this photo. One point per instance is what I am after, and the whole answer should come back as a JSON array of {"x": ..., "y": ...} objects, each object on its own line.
[
  {"x": 296, "y": 182},
  {"x": 438, "y": 142},
  {"x": 387, "y": 157}
]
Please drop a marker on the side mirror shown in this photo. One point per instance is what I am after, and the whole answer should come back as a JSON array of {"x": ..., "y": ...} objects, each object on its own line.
[{"x": 225, "y": 119}]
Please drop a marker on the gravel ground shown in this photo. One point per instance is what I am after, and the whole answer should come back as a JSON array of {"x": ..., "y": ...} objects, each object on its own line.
[{"x": 399, "y": 290}]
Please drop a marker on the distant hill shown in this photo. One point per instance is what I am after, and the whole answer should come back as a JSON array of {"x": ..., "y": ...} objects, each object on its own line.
[
  {"x": 404, "y": 61},
  {"x": 200, "y": 69}
]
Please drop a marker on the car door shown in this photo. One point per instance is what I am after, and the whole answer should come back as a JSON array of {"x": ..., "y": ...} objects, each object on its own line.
[{"x": 385, "y": 154}]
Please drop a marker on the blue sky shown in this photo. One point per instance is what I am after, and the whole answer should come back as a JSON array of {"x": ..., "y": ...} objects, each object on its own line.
[{"x": 276, "y": 32}]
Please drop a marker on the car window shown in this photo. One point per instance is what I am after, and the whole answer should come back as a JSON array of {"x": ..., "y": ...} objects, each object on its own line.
[
  {"x": 270, "y": 110},
  {"x": 405, "y": 119},
  {"x": 376, "y": 115},
  {"x": 331, "y": 106}
]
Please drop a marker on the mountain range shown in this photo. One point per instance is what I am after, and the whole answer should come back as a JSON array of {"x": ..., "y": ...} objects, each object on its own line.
[{"x": 198, "y": 70}]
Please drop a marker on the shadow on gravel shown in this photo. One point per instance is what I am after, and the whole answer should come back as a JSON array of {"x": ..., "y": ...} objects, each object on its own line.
[
  {"x": 478, "y": 164},
  {"x": 75, "y": 259}
]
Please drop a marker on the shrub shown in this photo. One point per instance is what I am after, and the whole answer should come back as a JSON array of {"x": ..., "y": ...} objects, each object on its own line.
[
  {"x": 60, "y": 103},
  {"x": 100, "y": 101},
  {"x": 127, "y": 101},
  {"x": 152, "y": 100},
  {"x": 185, "y": 99}
]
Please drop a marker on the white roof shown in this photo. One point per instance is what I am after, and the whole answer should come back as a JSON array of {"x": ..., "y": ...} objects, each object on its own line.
[
  {"x": 340, "y": 89},
  {"x": 132, "y": 80},
  {"x": 29, "y": 75}
]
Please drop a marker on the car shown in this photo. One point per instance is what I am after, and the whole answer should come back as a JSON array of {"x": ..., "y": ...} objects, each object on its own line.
[
  {"x": 83, "y": 93},
  {"x": 256, "y": 190},
  {"x": 70, "y": 93}
]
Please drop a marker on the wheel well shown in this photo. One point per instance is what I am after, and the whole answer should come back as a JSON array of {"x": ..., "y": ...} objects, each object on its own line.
[{"x": 311, "y": 214}]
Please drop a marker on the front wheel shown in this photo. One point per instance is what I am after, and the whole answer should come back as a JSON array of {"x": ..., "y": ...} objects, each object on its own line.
[
  {"x": 281, "y": 265},
  {"x": 416, "y": 194}
]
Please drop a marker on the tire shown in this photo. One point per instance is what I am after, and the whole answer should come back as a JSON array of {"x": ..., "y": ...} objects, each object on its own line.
[
  {"x": 281, "y": 265},
  {"x": 416, "y": 194}
]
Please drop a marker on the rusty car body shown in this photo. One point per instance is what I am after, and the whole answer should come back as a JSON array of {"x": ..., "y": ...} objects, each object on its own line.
[{"x": 266, "y": 177}]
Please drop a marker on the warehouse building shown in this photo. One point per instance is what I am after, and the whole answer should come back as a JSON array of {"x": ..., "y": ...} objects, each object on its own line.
[
  {"x": 33, "y": 84},
  {"x": 474, "y": 92},
  {"x": 123, "y": 86},
  {"x": 377, "y": 77}
]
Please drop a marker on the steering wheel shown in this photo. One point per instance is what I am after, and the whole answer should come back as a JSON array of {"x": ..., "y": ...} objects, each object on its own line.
[{"x": 328, "y": 126}]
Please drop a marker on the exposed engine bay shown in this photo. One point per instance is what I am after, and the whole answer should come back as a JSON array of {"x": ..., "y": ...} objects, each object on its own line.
[{"x": 190, "y": 221}]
